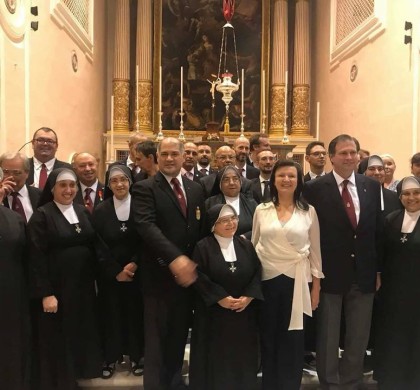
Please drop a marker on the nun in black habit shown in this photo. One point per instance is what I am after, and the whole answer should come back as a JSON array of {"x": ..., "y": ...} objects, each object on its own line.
[
  {"x": 227, "y": 188},
  {"x": 397, "y": 365},
  {"x": 64, "y": 254},
  {"x": 120, "y": 304},
  {"x": 224, "y": 351},
  {"x": 14, "y": 323}
]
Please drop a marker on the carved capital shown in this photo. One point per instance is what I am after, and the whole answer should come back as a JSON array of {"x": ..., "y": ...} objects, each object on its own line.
[
  {"x": 300, "y": 111},
  {"x": 145, "y": 106},
  {"x": 121, "y": 92},
  {"x": 277, "y": 110}
]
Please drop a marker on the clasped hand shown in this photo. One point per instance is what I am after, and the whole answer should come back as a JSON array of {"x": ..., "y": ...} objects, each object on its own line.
[
  {"x": 127, "y": 274},
  {"x": 235, "y": 304}
]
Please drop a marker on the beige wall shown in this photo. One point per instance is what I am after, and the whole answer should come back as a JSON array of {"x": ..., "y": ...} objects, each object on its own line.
[
  {"x": 73, "y": 104},
  {"x": 378, "y": 107}
]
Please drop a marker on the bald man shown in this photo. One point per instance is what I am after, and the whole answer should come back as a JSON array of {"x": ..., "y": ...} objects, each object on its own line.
[
  {"x": 241, "y": 148},
  {"x": 91, "y": 190}
]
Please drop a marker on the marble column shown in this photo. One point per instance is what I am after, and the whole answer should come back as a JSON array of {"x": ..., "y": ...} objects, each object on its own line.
[
  {"x": 144, "y": 60},
  {"x": 279, "y": 66},
  {"x": 301, "y": 71},
  {"x": 121, "y": 75}
]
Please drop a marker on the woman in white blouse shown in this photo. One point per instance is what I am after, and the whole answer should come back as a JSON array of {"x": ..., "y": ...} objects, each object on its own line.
[{"x": 285, "y": 234}]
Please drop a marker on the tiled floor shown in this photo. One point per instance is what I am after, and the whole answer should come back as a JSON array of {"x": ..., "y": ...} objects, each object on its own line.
[{"x": 124, "y": 380}]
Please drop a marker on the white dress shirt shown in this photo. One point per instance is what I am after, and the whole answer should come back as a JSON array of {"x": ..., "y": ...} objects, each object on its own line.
[
  {"x": 351, "y": 186},
  {"x": 25, "y": 200},
  {"x": 37, "y": 169},
  {"x": 94, "y": 187}
]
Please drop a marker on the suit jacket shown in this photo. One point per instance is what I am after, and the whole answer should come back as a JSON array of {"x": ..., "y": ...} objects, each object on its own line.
[
  {"x": 34, "y": 195},
  {"x": 251, "y": 172},
  {"x": 99, "y": 195},
  {"x": 391, "y": 202},
  {"x": 57, "y": 164},
  {"x": 165, "y": 231},
  {"x": 197, "y": 175},
  {"x": 211, "y": 170},
  {"x": 347, "y": 255},
  {"x": 307, "y": 177},
  {"x": 256, "y": 190}
]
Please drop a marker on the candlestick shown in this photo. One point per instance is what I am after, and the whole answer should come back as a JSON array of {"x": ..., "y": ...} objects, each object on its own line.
[
  {"x": 137, "y": 87},
  {"x": 112, "y": 129},
  {"x": 137, "y": 123},
  {"x": 263, "y": 91},
  {"x": 160, "y": 88},
  {"x": 182, "y": 89},
  {"x": 318, "y": 109},
  {"x": 285, "y": 93},
  {"x": 242, "y": 91}
]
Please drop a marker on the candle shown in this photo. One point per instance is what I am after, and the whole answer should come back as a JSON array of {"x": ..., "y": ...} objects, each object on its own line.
[
  {"x": 160, "y": 88},
  {"x": 285, "y": 94},
  {"x": 112, "y": 128},
  {"x": 263, "y": 92},
  {"x": 137, "y": 87},
  {"x": 318, "y": 107},
  {"x": 242, "y": 91},
  {"x": 182, "y": 89}
]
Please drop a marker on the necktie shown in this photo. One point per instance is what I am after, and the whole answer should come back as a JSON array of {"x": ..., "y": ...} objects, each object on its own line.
[
  {"x": 189, "y": 175},
  {"x": 180, "y": 196},
  {"x": 203, "y": 171},
  {"x": 348, "y": 205},
  {"x": 266, "y": 194},
  {"x": 242, "y": 171},
  {"x": 42, "y": 177},
  {"x": 317, "y": 176},
  {"x": 88, "y": 200},
  {"x": 17, "y": 205}
]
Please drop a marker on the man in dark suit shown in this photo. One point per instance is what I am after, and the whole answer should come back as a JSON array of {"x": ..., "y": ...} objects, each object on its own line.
[
  {"x": 44, "y": 144},
  {"x": 257, "y": 143},
  {"x": 315, "y": 156},
  {"x": 349, "y": 212},
  {"x": 21, "y": 198},
  {"x": 204, "y": 158},
  {"x": 91, "y": 190},
  {"x": 241, "y": 148},
  {"x": 130, "y": 160},
  {"x": 146, "y": 160},
  {"x": 167, "y": 210},
  {"x": 261, "y": 185},
  {"x": 189, "y": 169}
]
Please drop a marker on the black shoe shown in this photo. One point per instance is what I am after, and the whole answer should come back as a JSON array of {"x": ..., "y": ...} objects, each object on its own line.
[
  {"x": 137, "y": 369},
  {"x": 108, "y": 371}
]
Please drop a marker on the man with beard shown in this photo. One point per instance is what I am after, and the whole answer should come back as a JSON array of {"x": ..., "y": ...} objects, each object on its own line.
[
  {"x": 261, "y": 190},
  {"x": 204, "y": 159},
  {"x": 45, "y": 145},
  {"x": 241, "y": 148},
  {"x": 91, "y": 191},
  {"x": 188, "y": 169},
  {"x": 257, "y": 143},
  {"x": 315, "y": 156}
]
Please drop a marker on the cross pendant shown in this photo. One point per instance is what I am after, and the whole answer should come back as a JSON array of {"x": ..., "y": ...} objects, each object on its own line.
[
  {"x": 78, "y": 230},
  {"x": 232, "y": 267},
  {"x": 404, "y": 238},
  {"x": 123, "y": 228}
]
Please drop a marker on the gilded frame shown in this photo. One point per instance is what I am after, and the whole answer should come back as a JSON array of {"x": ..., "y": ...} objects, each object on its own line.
[{"x": 157, "y": 60}]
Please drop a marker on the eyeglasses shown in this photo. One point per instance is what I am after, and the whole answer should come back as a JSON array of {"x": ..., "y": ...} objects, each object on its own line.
[
  {"x": 235, "y": 179},
  {"x": 226, "y": 220},
  {"x": 45, "y": 141},
  {"x": 317, "y": 154},
  {"x": 116, "y": 180},
  {"x": 12, "y": 172},
  {"x": 374, "y": 169}
]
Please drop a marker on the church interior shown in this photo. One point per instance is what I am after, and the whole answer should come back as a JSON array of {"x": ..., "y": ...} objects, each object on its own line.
[{"x": 304, "y": 70}]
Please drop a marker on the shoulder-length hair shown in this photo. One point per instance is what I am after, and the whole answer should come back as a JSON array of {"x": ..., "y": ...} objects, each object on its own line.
[{"x": 298, "y": 199}]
